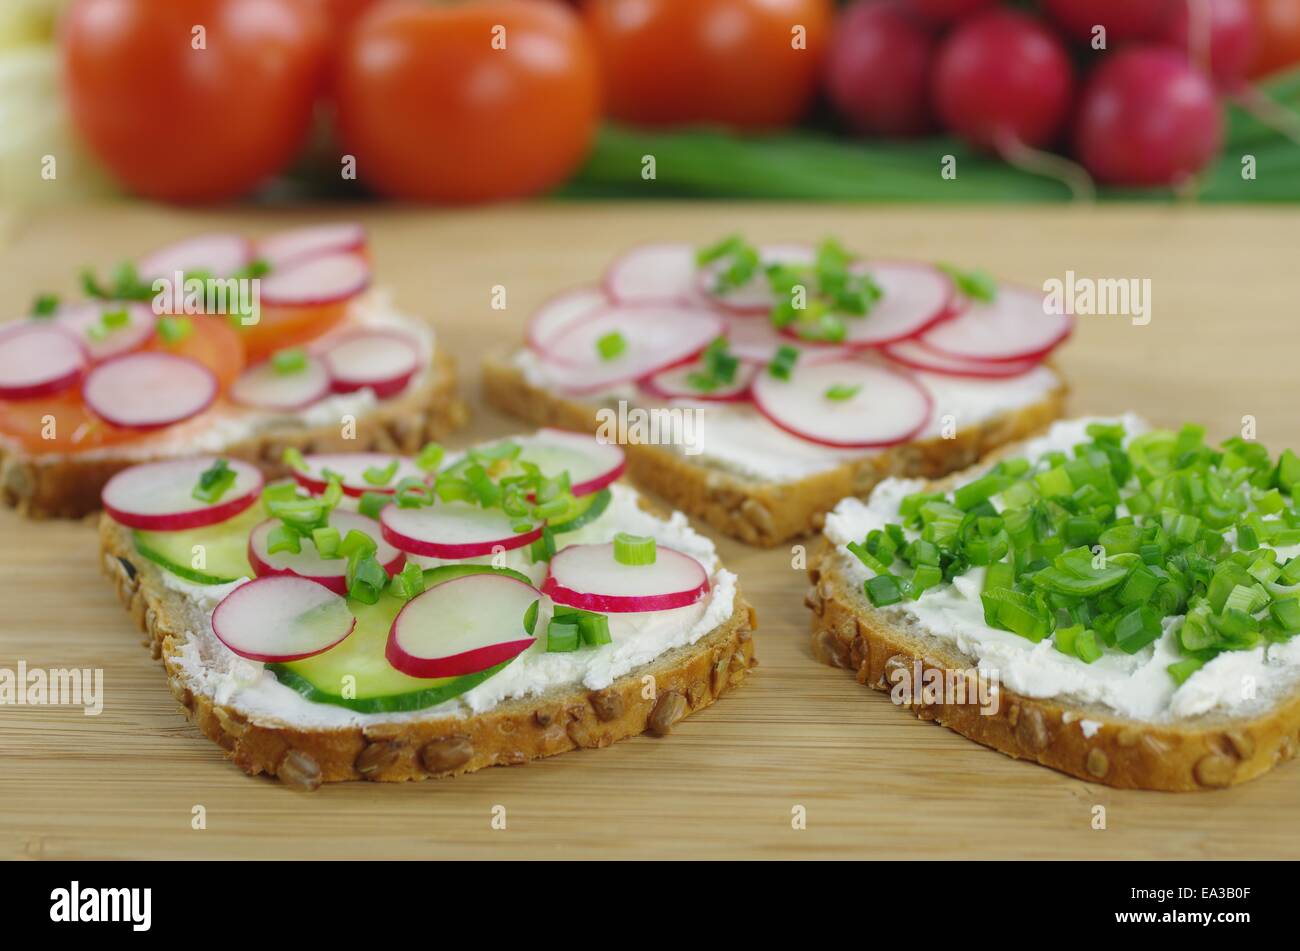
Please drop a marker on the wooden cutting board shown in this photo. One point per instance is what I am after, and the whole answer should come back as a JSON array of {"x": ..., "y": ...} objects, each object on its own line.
[{"x": 799, "y": 738}]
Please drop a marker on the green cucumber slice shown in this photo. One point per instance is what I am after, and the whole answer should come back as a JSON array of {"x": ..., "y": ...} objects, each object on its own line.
[
  {"x": 378, "y": 686},
  {"x": 434, "y": 576},
  {"x": 586, "y": 509},
  {"x": 225, "y": 549}
]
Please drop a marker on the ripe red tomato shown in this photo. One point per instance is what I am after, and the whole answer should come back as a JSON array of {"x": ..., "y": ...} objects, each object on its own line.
[
  {"x": 467, "y": 102},
  {"x": 1277, "y": 33},
  {"x": 747, "y": 64},
  {"x": 196, "y": 101}
]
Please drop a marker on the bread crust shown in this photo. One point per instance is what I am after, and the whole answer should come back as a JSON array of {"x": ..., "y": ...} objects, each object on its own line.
[
  {"x": 756, "y": 512},
  {"x": 686, "y": 680},
  {"x": 1206, "y": 753},
  {"x": 68, "y": 486}
]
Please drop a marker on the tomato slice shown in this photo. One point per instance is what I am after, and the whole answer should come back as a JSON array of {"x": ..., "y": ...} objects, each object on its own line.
[
  {"x": 213, "y": 342},
  {"x": 72, "y": 427},
  {"x": 282, "y": 327}
]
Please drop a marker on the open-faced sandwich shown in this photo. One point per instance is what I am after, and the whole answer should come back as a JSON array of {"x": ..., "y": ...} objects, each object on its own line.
[
  {"x": 755, "y": 387},
  {"x": 217, "y": 344},
  {"x": 1116, "y": 602},
  {"x": 391, "y": 618}
]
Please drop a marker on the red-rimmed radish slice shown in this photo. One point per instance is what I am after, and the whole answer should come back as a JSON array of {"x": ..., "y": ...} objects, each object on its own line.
[
  {"x": 452, "y": 530},
  {"x": 757, "y": 341},
  {"x": 1014, "y": 326},
  {"x": 307, "y": 563},
  {"x": 352, "y": 468},
  {"x": 675, "y": 384},
  {"x": 323, "y": 279},
  {"x": 655, "y": 336},
  {"x": 298, "y": 244},
  {"x": 461, "y": 627},
  {"x": 86, "y": 321},
  {"x": 912, "y": 354},
  {"x": 756, "y": 296},
  {"x": 159, "y": 496},
  {"x": 383, "y": 360},
  {"x": 281, "y": 618},
  {"x": 589, "y": 577},
  {"x": 654, "y": 273},
  {"x": 148, "y": 390},
  {"x": 217, "y": 254},
  {"x": 561, "y": 312},
  {"x": 914, "y": 297},
  {"x": 884, "y": 406},
  {"x": 262, "y": 386},
  {"x": 38, "y": 359},
  {"x": 590, "y": 463}
]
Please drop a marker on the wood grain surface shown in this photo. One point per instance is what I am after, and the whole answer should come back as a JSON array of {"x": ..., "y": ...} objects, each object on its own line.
[{"x": 872, "y": 781}]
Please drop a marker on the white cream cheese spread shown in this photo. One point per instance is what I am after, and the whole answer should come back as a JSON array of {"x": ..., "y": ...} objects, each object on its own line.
[{"x": 1132, "y": 685}]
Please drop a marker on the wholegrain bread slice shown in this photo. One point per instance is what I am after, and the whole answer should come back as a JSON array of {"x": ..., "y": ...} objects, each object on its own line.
[
  {"x": 755, "y": 511},
  {"x": 686, "y": 680},
  {"x": 68, "y": 486},
  {"x": 1207, "y": 752}
]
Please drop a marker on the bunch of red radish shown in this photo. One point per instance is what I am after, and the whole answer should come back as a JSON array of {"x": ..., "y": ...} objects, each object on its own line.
[{"x": 1145, "y": 112}]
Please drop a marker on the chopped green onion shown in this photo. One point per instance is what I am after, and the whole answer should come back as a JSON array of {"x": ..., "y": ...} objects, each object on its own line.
[
  {"x": 45, "y": 305},
  {"x": 327, "y": 541},
  {"x": 634, "y": 549},
  {"x": 883, "y": 590},
  {"x": 356, "y": 544},
  {"x": 288, "y": 362},
  {"x": 611, "y": 346},
  {"x": 840, "y": 392},
  {"x": 214, "y": 482},
  {"x": 430, "y": 457},
  {"x": 366, "y": 579},
  {"x": 408, "y": 582},
  {"x": 530, "y": 617},
  {"x": 377, "y": 476},
  {"x": 174, "y": 329},
  {"x": 782, "y": 365},
  {"x": 294, "y": 459},
  {"x": 562, "y": 636},
  {"x": 283, "y": 538},
  {"x": 594, "y": 629},
  {"x": 372, "y": 503},
  {"x": 977, "y": 284}
]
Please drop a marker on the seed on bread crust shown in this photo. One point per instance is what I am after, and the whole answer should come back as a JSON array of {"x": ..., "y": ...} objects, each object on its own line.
[
  {"x": 447, "y": 753},
  {"x": 720, "y": 675},
  {"x": 1031, "y": 730},
  {"x": 299, "y": 771},
  {"x": 608, "y": 704},
  {"x": 1240, "y": 743},
  {"x": 377, "y": 757},
  {"x": 1097, "y": 763},
  {"x": 670, "y": 708},
  {"x": 1215, "y": 770}
]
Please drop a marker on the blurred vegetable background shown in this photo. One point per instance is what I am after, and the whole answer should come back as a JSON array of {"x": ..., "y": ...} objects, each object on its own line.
[{"x": 193, "y": 101}]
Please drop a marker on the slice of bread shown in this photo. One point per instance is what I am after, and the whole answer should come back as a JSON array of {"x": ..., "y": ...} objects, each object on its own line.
[
  {"x": 68, "y": 486},
  {"x": 1086, "y": 740},
  {"x": 409, "y": 746},
  {"x": 754, "y": 511}
]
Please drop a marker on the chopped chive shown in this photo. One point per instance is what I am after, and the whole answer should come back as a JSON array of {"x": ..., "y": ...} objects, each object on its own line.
[
  {"x": 782, "y": 365},
  {"x": 214, "y": 482},
  {"x": 634, "y": 549},
  {"x": 611, "y": 346}
]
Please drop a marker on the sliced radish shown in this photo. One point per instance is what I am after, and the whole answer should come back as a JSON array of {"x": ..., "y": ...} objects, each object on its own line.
[
  {"x": 147, "y": 390},
  {"x": 262, "y": 386},
  {"x": 452, "y": 530},
  {"x": 37, "y": 359},
  {"x": 159, "y": 496},
  {"x": 352, "y": 468},
  {"x": 461, "y": 627},
  {"x": 756, "y": 296},
  {"x": 758, "y": 341},
  {"x": 589, "y": 577},
  {"x": 1014, "y": 326},
  {"x": 86, "y": 321},
  {"x": 917, "y": 356},
  {"x": 590, "y": 463},
  {"x": 287, "y": 247},
  {"x": 655, "y": 336},
  {"x": 559, "y": 313},
  {"x": 281, "y": 618},
  {"x": 383, "y": 360},
  {"x": 654, "y": 273},
  {"x": 307, "y": 563},
  {"x": 914, "y": 298},
  {"x": 885, "y": 406},
  {"x": 324, "y": 279},
  {"x": 675, "y": 384},
  {"x": 218, "y": 254}
]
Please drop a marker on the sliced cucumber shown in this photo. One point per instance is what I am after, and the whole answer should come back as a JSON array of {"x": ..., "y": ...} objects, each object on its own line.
[
  {"x": 225, "y": 549},
  {"x": 433, "y": 576},
  {"x": 377, "y": 686},
  {"x": 585, "y": 510}
]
